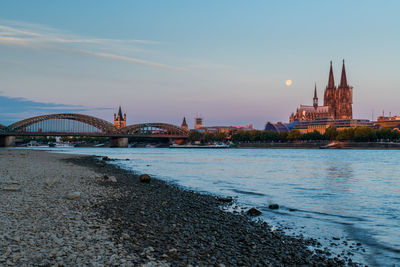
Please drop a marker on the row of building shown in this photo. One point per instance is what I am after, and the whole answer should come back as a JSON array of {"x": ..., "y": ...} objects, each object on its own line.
[{"x": 336, "y": 111}]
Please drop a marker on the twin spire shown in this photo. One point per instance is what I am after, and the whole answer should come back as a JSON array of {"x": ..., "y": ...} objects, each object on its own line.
[
  {"x": 331, "y": 81},
  {"x": 343, "y": 80}
]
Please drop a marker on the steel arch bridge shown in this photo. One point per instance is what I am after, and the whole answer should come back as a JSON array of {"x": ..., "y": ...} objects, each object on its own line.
[
  {"x": 63, "y": 123},
  {"x": 155, "y": 130},
  {"x": 72, "y": 124}
]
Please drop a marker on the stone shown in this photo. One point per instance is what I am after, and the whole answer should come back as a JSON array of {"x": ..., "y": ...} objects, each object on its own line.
[
  {"x": 73, "y": 195},
  {"x": 225, "y": 199},
  {"x": 173, "y": 250},
  {"x": 11, "y": 189},
  {"x": 273, "y": 206},
  {"x": 112, "y": 179},
  {"x": 145, "y": 178},
  {"x": 105, "y": 158},
  {"x": 49, "y": 182},
  {"x": 253, "y": 212}
]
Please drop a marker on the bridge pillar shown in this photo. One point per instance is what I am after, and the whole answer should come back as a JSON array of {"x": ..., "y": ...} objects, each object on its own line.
[
  {"x": 7, "y": 141},
  {"x": 119, "y": 142}
]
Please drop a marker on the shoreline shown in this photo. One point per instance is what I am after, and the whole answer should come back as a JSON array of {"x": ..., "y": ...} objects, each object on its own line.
[
  {"x": 318, "y": 145},
  {"x": 163, "y": 224}
]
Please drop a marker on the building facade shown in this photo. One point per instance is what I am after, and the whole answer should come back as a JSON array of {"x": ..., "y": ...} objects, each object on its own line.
[
  {"x": 391, "y": 122},
  {"x": 338, "y": 101},
  {"x": 321, "y": 124}
]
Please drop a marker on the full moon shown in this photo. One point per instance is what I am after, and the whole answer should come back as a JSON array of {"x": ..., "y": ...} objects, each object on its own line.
[{"x": 288, "y": 82}]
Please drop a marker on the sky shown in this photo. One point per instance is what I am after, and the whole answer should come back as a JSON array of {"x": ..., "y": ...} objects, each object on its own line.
[{"x": 227, "y": 61}]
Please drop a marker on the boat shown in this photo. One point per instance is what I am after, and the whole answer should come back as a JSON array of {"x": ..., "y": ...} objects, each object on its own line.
[{"x": 200, "y": 146}]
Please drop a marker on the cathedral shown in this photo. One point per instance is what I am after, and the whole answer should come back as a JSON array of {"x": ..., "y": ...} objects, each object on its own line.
[{"x": 337, "y": 101}]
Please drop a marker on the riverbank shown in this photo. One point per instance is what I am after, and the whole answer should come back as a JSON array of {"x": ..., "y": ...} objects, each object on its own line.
[
  {"x": 322, "y": 144},
  {"x": 127, "y": 222}
]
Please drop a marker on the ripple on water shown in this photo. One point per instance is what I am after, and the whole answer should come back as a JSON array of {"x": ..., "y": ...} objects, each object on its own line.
[{"x": 351, "y": 194}]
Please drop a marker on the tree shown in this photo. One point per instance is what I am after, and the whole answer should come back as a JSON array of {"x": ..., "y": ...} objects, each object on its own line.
[
  {"x": 208, "y": 137},
  {"x": 220, "y": 137},
  {"x": 254, "y": 135},
  {"x": 294, "y": 135},
  {"x": 385, "y": 134},
  {"x": 331, "y": 133},
  {"x": 364, "y": 134},
  {"x": 283, "y": 136},
  {"x": 313, "y": 136},
  {"x": 269, "y": 136},
  {"x": 345, "y": 135},
  {"x": 194, "y": 136}
]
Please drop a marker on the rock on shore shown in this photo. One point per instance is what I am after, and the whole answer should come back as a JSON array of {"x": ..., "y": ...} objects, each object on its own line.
[
  {"x": 40, "y": 225},
  {"x": 127, "y": 222}
]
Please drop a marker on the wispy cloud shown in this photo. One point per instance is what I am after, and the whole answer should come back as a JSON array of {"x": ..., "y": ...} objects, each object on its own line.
[
  {"x": 33, "y": 36},
  {"x": 13, "y": 109}
]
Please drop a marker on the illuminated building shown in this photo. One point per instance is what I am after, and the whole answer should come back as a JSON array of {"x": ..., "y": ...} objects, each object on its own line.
[{"x": 119, "y": 121}]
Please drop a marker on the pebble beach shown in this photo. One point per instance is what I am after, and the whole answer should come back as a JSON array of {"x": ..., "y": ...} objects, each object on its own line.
[{"x": 70, "y": 210}]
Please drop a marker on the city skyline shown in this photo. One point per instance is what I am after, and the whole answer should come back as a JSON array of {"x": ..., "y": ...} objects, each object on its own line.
[{"x": 228, "y": 62}]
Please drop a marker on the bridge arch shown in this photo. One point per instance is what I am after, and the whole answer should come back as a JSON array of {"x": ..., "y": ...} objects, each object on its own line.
[
  {"x": 103, "y": 126},
  {"x": 155, "y": 130}
]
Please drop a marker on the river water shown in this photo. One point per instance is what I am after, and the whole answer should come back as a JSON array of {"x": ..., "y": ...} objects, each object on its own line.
[{"x": 350, "y": 195}]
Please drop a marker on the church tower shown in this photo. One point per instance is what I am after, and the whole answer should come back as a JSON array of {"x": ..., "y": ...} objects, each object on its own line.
[
  {"x": 344, "y": 97},
  {"x": 330, "y": 94},
  {"x": 315, "y": 99},
  {"x": 119, "y": 121},
  {"x": 184, "y": 124}
]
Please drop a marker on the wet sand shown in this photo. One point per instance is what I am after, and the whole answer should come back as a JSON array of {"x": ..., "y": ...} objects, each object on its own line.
[{"x": 58, "y": 209}]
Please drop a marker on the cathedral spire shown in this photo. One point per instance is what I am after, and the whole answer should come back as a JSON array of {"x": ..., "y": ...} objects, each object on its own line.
[
  {"x": 315, "y": 90},
  {"x": 331, "y": 81},
  {"x": 343, "y": 80},
  {"x": 315, "y": 99}
]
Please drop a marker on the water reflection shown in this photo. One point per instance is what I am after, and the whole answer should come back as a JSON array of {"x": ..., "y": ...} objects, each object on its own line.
[{"x": 339, "y": 178}]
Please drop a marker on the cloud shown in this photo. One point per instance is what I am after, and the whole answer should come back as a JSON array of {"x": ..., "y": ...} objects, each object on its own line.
[
  {"x": 13, "y": 109},
  {"x": 41, "y": 37}
]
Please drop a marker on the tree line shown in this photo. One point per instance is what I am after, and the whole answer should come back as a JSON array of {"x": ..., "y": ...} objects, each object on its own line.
[{"x": 359, "y": 134}]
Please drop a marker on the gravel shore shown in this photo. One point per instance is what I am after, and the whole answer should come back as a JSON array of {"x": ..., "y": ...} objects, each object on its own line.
[{"x": 59, "y": 210}]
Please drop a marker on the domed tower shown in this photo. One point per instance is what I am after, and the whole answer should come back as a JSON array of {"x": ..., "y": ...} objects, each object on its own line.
[{"x": 119, "y": 121}]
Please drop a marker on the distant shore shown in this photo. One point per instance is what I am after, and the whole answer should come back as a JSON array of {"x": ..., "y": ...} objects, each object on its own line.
[
  {"x": 322, "y": 144},
  {"x": 122, "y": 221}
]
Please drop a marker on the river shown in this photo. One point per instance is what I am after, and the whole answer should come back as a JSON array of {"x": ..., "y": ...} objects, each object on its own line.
[{"x": 348, "y": 199}]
